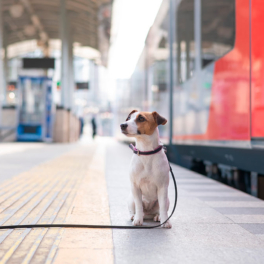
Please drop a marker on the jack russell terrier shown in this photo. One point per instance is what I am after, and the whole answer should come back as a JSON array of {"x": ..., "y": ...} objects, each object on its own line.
[{"x": 149, "y": 169}]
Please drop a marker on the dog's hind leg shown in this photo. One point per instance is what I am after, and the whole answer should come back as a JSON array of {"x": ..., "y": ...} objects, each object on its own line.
[
  {"x": 131, "y": 207},
  {"x": 156, "y": 218},
  {"x": 157, "y": 215},
  {"x": 164, "y": 206},
  {"x": 155, "y": 212}
]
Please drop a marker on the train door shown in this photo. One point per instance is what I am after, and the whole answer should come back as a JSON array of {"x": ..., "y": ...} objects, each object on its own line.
[{"x": 257, "y": 72}]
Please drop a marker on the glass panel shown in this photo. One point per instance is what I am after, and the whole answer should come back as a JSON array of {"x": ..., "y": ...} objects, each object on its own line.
[
  {"x": 156, "y": 65},
  {"x": 218, "y": 29},
  {"x": 185, "y": 40},
  {"x": 32, "y": 105}
]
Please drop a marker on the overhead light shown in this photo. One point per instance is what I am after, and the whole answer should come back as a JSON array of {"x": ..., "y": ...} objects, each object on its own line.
[
  {"x": 16, "y": 10},
  {"x": 12, "y": 95},
  {"x": 29, "y": 30}
]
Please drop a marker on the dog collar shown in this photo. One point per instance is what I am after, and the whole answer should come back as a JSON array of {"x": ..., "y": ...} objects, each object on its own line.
[{"x": 138, "y": 152}]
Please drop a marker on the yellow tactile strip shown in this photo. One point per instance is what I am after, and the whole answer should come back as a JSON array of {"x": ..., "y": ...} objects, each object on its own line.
[
  {"x": 89, "y": 207},
  {"x": 45, "y": 194}
]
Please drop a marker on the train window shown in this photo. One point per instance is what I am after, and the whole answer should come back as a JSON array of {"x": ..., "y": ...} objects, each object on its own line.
[
  {"x": 185, "y": 40},
  {"x": 160, "y": 76},
  {"x": 218, "y": 29}
]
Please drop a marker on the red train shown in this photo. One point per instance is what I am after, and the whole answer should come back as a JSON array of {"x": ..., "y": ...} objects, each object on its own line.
[
  {"x": 223, "y": 123},
  {"x": 215, "y": 73}
]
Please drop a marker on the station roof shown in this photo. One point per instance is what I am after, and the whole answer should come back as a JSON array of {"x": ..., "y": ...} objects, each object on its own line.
[{"x": 90, "y": 22}]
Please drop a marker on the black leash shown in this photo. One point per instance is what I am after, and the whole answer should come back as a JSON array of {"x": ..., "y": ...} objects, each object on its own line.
[{"x": 99, "y": 226}]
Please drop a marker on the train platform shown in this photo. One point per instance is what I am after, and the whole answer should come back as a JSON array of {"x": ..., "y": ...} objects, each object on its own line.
[{"x": 88, "y": 183}]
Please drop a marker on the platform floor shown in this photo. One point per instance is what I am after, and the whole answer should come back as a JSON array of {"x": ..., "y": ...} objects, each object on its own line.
[{"x": 87, "y": 183}]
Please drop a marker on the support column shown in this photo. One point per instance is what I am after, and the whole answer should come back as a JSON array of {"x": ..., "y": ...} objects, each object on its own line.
[
  {"x": 197, "y": 36},
  {"x": 64, "y": 34},
  {"x": 65, "y": 125},
  {"x": 188, "y": 57},
  {"x": 171, "y": 41},
  {"x": 2, "y": 86},
  {"x": 72, "y": 123},
  {"x": 67, "y": 75},
  {"x": 93, "y": 81},
  {"x": 198, "y": 57},
  {"x": 70, "y": 70},
  {"x": 5, "y": 68}
]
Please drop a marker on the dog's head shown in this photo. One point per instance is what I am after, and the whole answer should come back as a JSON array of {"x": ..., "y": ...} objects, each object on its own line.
[{"x": 141, "y": 123}]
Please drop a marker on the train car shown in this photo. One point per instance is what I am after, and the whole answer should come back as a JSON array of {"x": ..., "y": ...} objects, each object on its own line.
[{"x": 217, "y": 85}]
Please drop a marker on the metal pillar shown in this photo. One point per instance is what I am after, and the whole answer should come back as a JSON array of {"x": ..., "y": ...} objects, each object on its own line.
[
  {"x": 94, "y": 81},
  {"x": 197, "y": 35},
  {"x": 2, "y": 85},
  {"x": 70, "y": 71},
  {"x": 171, "y": 40},
  {"x": 5, "y": 69},
  {"x": 91, "y": 93},
  {"x": 188, "y": 75},
  {"x": 198, "y": 57},
  {"x": 66, "y": 58}
]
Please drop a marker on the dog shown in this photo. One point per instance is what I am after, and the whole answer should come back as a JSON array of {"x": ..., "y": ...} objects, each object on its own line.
[{"x": 149, "y": 174}]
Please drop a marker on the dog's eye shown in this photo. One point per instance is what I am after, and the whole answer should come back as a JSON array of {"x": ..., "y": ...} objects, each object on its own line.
[
  {"x": 141, "y": 119},
  {"x": 128, "y": 118}
]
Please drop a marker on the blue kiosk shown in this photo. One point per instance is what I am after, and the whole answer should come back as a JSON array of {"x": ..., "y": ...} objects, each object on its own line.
[{"x": 35, "y": 107}]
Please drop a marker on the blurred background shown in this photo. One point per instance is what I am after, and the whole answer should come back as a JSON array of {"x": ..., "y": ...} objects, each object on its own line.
[
  {"x": 68, "y": 66},
  {"x": 62, "y": 63}
]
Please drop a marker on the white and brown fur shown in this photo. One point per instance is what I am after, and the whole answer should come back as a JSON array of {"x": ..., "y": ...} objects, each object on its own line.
[{"x": 149, "y": 175}]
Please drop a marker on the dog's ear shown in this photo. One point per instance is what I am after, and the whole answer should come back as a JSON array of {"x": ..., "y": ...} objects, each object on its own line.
[
  {"x": 159, "y": 119},
  {"x": 131, "y": 114}
]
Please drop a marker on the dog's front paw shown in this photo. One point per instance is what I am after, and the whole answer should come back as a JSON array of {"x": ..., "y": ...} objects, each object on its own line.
[
  {"x": 167, "y": 225},
  {"x": 138, "y": 221}
]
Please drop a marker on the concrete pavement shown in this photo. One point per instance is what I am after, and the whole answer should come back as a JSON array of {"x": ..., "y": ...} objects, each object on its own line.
[
  {"x": 87, "y": 183},
  {"x": 213, "y": 223}
]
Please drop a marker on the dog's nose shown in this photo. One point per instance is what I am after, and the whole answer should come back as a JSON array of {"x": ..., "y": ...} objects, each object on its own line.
[{"x": 123, "y": 126}]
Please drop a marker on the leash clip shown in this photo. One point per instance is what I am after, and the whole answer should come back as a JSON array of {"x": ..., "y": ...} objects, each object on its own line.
[{"x": 138, "y": 153}]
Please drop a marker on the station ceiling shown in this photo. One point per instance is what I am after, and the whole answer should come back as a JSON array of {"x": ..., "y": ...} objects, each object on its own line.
[{"x": 90, "y": 21}]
